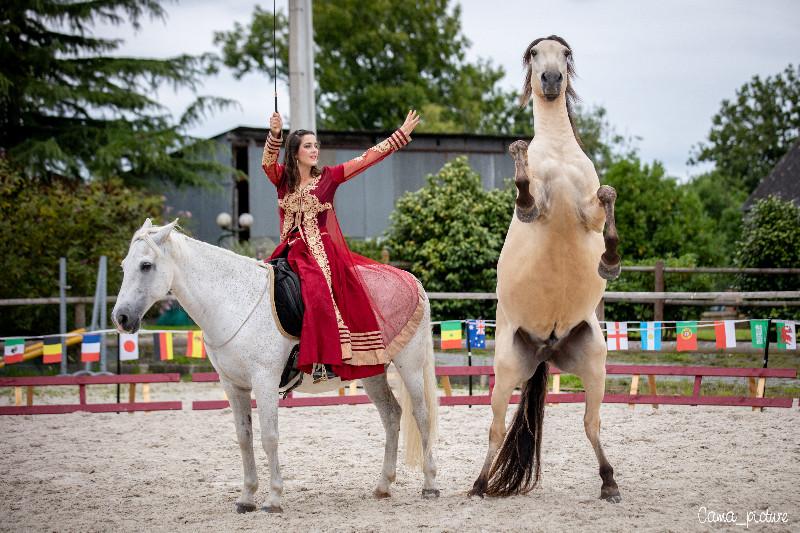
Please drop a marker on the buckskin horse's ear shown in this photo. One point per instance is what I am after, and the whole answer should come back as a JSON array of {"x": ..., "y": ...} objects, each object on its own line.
[
  {"x": 160, "y": 236},
  {"x": 526, "y": 64}
]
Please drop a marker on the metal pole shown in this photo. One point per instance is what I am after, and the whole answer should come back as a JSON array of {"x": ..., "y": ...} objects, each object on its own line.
[
  {"x": 302, "y": 108},
  {"x": 119, "y": 365},
  {"x": 766, "y": 343},
  {"x": 658, "y": 307},
  {"x": 62, "y": 310},
  {"x": 103, "y": 304},
  {"x": 469, "y": 358}
]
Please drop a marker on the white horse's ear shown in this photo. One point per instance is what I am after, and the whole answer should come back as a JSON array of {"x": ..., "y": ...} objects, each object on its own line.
[
  {"x": 147, "y": 223},
  {"x": 163, "y": 232}
]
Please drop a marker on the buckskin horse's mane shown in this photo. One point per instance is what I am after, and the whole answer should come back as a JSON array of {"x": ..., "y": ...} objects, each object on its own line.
[{"x": 571, "y": 95}]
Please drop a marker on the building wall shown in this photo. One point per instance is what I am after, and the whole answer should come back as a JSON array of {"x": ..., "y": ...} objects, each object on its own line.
[{"x": 363, "y": 204}]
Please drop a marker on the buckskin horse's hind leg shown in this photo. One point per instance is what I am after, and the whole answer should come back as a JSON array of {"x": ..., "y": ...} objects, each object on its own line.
[
  {"x": 526, "y": 209},
  {"x": 609, "y": 267},
  {"x": 378, "y": 390},
  {"x": 584, "y": 354}
]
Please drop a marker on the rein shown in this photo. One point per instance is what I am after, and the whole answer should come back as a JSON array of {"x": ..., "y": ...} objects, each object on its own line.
[{"x": 263, "y": 292}]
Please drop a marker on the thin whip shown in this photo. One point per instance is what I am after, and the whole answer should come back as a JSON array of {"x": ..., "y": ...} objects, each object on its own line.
[{"x": 275, "y": 53}]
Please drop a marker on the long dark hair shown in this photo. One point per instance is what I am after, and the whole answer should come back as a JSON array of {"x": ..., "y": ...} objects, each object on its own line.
[
  {"x": 290, "y": 169},
  {"x": 572, "y": 96}
]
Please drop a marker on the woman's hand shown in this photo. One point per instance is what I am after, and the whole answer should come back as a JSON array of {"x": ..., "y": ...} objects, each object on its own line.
[
  {"x": 412, "y": 119},
  {"x": 276, "y": 125}
]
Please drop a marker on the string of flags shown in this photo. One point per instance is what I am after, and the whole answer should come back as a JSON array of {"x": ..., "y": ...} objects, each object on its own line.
[
  {"x": 51, "y": 346},
  {"x": 617, "y": 338},
  {"x": 651, "y": 334}
]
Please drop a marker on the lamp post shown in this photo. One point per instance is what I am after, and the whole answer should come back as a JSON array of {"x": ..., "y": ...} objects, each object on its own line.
[{"x": 225, "y": 222}]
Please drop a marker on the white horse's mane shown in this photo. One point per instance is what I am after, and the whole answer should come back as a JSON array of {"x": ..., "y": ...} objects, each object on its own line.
[{"x": 179, "y": 245}]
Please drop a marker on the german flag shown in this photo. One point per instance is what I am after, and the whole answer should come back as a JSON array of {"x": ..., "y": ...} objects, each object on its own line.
[
  {"x": 163, "y": 346},
  {"x": 51, "y": 352},
  {"x": 451, "y": 335},
  {"x": 194, "y": 345}
]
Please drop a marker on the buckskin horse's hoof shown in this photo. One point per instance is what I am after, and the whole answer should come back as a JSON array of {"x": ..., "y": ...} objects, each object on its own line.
[
  {"x": 609, "y": 272},
  {"x": 430, "y": 494},
  {"x": 242, "y": 508},
  {"x": 272, "y": 509}
]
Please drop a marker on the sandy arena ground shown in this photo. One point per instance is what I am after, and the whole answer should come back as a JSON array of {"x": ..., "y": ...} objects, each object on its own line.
[{"x": 181, "y": 471}]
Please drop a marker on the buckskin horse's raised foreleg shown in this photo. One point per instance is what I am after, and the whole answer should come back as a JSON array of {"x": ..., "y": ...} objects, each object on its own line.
[
  {"x": 609, "y": 267},
  {"x": 526, "y": 209}
]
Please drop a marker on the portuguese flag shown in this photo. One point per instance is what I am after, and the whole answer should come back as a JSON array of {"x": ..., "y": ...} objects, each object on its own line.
[
  {"x": 687, "y": 336},
  {"x": 451, "y": 335},
  {"x": 163, "y": 346}
]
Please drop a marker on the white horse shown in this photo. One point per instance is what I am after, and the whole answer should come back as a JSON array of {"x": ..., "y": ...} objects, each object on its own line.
[{"x": 228, "y": 296}]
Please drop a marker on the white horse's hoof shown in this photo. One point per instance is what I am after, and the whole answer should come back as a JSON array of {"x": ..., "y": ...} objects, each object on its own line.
[
  {"x": 272, "y": 509},
  {"x": 242, "y": 508},
  {"x": 430, "y": 494},
  {"x": 379, "y": 494}
]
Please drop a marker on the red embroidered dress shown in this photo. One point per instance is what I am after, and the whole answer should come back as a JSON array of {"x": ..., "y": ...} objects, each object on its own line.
[{"x": 346, "y": 322}]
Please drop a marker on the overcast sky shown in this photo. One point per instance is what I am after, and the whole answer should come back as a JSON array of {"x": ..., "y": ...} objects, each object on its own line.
[{"x": 660, "y": 68}]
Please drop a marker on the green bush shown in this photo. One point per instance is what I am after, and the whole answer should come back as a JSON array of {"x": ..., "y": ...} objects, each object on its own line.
[
  {"x": 770, "y": 239},
  {"x": 47, "y": 219},
  {"x": 450, "y": 232}
]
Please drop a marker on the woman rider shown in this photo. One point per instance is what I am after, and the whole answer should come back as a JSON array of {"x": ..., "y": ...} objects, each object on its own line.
[{"x": 343, "y": 327}]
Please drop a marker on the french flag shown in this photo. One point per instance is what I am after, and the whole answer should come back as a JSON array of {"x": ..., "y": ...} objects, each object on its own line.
[{"x": 90, "y": 348}]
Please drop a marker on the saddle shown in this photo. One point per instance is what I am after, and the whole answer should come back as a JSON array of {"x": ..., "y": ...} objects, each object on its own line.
[
  {"x": 287, "y": 297},
  {"x": 289, "y": 308}
]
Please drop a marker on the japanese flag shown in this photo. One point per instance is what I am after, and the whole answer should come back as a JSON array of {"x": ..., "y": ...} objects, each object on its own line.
[{"x": 128, "y": 346}]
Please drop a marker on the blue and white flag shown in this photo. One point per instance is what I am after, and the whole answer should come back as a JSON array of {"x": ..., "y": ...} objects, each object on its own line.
[
  {"x": 651, "y": 335},
  {"x": 477, "y": 333}
]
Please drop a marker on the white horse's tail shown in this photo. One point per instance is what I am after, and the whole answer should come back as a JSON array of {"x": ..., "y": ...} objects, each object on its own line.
[{"x": 414, "y": 454}]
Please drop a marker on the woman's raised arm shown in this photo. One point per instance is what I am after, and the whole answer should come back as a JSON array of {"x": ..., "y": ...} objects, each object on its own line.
[
  {"x": 269, "y": 161},
  {"x": 397, "y": 140}
]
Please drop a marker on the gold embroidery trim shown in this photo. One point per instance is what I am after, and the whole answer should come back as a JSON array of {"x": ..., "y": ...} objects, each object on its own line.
[{"x": 271, "y": 149}]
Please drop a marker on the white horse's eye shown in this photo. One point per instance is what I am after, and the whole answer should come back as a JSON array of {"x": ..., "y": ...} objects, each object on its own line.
[{"x": 146, "y": 267}]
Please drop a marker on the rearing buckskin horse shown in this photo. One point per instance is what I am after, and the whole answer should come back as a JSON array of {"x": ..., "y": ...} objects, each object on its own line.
[{"x": 551, "y": 276}]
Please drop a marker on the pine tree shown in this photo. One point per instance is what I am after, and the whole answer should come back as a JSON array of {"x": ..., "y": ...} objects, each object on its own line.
[{"x": 70, "y": 108}]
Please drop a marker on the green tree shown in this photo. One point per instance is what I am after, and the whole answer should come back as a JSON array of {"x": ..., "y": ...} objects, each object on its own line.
[
  {"x": 722, "y": 203},
  {"x": 450, "y": 231},
  {"x": 47, "y": 219},
  {"x": 770, "y": 240},
  {"x": 752, "y": 132},
  {"x": 656, "y": 216},
  {"x": 70, "y": 107},
  {"x": 374, "y": 61}
]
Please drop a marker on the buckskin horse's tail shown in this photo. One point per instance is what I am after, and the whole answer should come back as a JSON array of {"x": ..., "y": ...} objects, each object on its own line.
[
  {"x": 414, "y": 454},
  {"x": 516, "y": 467}
]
